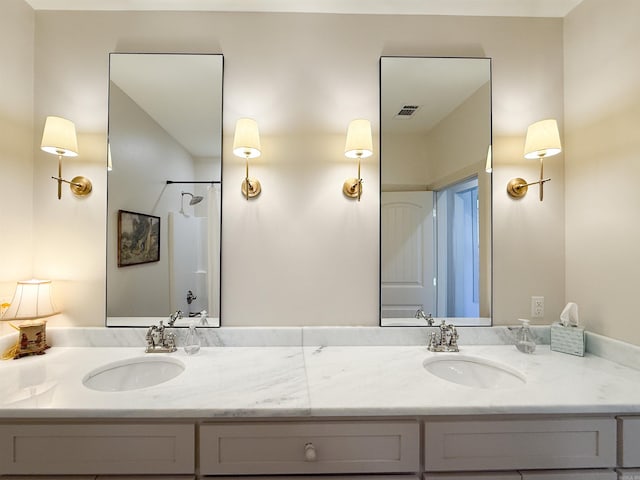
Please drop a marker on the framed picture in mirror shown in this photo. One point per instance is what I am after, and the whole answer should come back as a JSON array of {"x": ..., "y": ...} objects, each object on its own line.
[{"x": 138, "y": 238}]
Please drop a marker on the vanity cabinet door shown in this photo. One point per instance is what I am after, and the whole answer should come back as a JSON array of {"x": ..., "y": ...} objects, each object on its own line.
[
  {"x": 571, "y": 475},
  {"x": 303, "y": 448},
  {"x": 473, "y": 476},
  {"x": 139, "y": 477},
  {"x": 520, "y": 444},
  {"x": 629, "y": 435},
  {"x": 48, "y": 477},
  {"x": 79, "y": 449},
  {"x": 628, "y": 474}
]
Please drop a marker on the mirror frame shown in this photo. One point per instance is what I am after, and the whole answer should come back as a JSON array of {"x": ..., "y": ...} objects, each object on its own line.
[
  {"x": 490, "y": 155},
  {"x": 151, "y": 320}
]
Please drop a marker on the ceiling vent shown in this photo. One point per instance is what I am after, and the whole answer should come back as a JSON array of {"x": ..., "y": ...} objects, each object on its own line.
[{"x": 407, "y": 111}]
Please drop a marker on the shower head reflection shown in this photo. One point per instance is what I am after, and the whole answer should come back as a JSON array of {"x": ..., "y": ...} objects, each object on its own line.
[{"x": 195, "y": 199}]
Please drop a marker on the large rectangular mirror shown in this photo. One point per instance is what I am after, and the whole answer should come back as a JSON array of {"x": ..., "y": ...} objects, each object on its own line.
[
  {"x": 435, "y": 134},
  {"x": 164, "y": 188}
]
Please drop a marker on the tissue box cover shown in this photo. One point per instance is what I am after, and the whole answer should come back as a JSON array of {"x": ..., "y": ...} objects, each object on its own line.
[{"x": 567, "y": 339}]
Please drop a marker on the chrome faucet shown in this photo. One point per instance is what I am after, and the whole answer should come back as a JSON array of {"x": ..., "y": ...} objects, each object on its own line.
[
  {"x": 445, "y": 341},
  {"x": 177, "y": 315},
  {"x": 420, "y": 314},
  {"x": 161, "y": 339}
]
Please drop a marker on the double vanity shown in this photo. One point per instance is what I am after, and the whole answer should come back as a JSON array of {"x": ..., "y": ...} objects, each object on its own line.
[{"x": 330, "y": 401}]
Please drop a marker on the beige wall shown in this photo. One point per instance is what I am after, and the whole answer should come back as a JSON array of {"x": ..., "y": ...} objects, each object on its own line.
[
  {"x": 16, "y": 145},
  {"x": 301, "y": 253},
  {"x": 602, "y": 102}
]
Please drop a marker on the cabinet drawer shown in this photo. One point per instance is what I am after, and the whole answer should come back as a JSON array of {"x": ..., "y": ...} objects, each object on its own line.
[
  {"x": 570, "y": 475},
  {"x": 290, "y": 448},
  {"x": 96, "y": 449},
  {"x": 520, "y": 444},
  {"x": 625, "y": 474},
  {"x": 473, "y": 476},
  {"x": 629, "y": 438}
]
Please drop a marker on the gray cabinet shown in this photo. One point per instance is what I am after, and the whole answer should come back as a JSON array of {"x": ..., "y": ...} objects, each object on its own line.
[
  {"x": 480, "y": 445},
  {"x": 79, "y": 449},
  {"x": 452, "y": 448},
  {"x": 571, "y": 475},
  {"x": 629, "y": 436},
  {"x": 310, "y": 447}
]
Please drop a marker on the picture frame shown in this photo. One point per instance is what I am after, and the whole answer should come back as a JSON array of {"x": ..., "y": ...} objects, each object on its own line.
[{"x": 138, "y": 238}]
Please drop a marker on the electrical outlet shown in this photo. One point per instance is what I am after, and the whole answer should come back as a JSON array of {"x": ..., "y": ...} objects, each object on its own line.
[{"x": 537, "y": 307}]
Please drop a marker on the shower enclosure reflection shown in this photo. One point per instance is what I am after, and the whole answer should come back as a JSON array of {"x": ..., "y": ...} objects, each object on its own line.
[
  {"x": 193, "y": 233},
  {"x": 165, "y": 141}
]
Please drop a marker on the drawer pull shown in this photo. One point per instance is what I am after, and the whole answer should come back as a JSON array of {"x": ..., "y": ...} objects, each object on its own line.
[{"x": 310, "y": 452}]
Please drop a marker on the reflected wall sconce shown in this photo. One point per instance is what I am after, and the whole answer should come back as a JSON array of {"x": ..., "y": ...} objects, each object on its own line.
[
  {"x": 109, "y": 161},
  {"x": 543, "y": 140},
  {"x": 488, "y": 166},
  {"x": 246, "y": 144},
  {"x": 359, "y": 145},
  {"x": 59, "y": 138},
  {"x": 32, "y": 300}
]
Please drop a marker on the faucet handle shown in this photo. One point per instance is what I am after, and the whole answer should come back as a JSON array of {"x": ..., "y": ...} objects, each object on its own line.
[
  {"x": 433, "y": 342},
  {"x": 170, "y": 340}
]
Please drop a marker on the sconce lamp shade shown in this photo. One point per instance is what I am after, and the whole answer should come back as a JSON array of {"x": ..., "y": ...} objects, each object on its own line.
[
  {"x": 543, "y": 139},
  {"x": 488, "y": 166},
  {"x": 359, "y": 142},
  {"x": 246, "y": 141},
  {"x": 32, "y": 299},
  {"x": 59, "y": 137},
  {"x": 109, "y": 161}
]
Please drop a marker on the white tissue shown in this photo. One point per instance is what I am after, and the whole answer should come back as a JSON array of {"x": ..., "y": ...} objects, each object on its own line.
[{"x": 569, "y": 315}]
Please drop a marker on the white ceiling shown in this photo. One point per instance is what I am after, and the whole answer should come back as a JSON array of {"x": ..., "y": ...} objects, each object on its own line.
[
  {"x": 436, "y": 85},
  {"x": 499, "y": 8}
]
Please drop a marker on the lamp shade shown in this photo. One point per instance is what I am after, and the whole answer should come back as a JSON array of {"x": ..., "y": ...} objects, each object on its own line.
[
  {"x": 488, "y": 166},
  {"x": 246, "y": 140},
  {"x": 109, "y": 161},
  {"x": 543, "y": 139},
  {"x": 32, "y": 299},
  {"x": 359, "y": 143},
  {"x": 59, "y": 137}
]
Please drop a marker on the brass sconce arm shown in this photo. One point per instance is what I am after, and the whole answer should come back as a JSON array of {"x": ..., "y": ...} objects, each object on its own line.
[
  {"x": 250, "y": 187},
  {"x": 79, "y": 185},
  {"x": 517, "y": 187},
  {"x": 352, "y": 187}
]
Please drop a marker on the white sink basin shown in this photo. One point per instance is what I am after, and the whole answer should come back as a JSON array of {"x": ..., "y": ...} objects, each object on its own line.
[
  {"x": 473, "y": 371},
  {"x": 133, "y": 373}
]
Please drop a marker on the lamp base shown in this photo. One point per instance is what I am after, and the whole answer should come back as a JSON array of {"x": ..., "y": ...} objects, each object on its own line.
[
  {"x": 32, "y": 340},
  {"x": 254, "y": 187},
  {"x": 517, "y": 187},
  {"x": 350, "y": 187},
  {"x": 80, "y": 186}
]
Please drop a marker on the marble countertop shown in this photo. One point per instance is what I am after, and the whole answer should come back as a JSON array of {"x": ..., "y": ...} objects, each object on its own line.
[{"x": 314, "y": 381}]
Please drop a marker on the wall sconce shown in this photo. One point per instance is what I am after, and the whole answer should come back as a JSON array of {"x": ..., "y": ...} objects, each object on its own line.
[
  {"x": 59, "y": 138},
  {"x": 246, "y": 144},
  {"x": 359, "y": 145},
  {"x": 31, "y": 300},
  {"x": 543, "y": 140}
]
